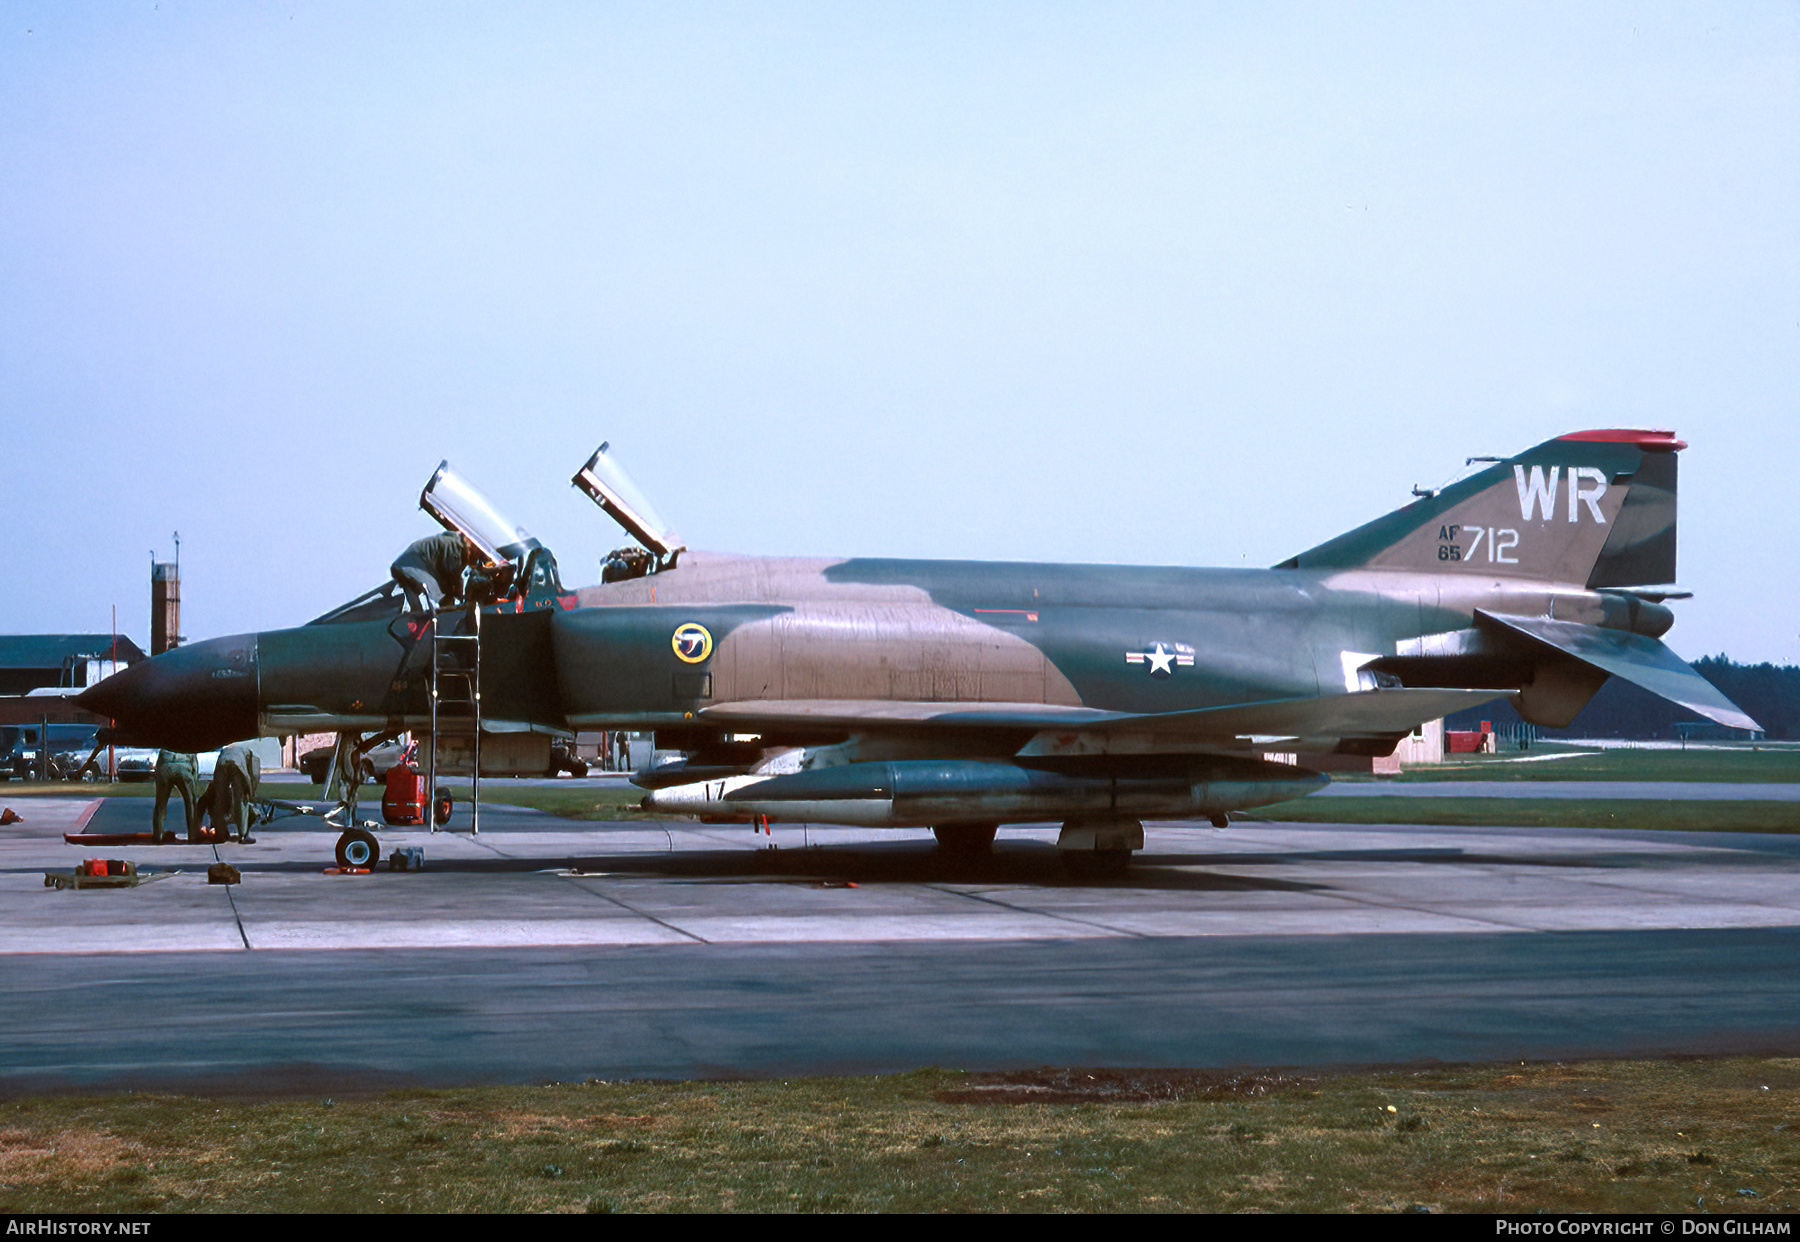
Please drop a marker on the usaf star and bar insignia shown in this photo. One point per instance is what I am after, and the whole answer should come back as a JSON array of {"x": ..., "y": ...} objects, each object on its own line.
[{"x": 1163, "y": 658}]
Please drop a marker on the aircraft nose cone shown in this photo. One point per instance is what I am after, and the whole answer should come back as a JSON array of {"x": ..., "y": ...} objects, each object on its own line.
[{"x": 193, "y": 698}]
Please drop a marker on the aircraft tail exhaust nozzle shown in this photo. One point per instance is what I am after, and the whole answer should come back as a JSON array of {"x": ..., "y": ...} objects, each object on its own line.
[
  {"x": 922, "y": 792},
  {"x": 193, "y": 698}
]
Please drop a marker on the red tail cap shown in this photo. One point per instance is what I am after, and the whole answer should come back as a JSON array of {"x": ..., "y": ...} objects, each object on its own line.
[{"x": 1650, "y": 441}]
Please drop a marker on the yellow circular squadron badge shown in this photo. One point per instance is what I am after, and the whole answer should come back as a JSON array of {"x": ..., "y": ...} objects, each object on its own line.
[{"x": 692, "y": 643}]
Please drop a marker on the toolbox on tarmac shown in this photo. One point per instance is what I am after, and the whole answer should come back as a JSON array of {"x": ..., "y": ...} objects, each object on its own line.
[{"x": 102, "y": 873}]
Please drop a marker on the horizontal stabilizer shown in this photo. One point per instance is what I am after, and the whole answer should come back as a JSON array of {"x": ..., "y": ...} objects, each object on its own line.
[{"x": 1642, "y": 661}]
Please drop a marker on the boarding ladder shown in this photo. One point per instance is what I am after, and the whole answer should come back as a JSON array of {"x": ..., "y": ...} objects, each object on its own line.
[{"x": 455, "y": 693}]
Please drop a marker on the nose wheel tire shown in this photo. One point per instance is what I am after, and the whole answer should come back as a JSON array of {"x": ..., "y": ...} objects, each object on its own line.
[{"x": 358, "y": 849}]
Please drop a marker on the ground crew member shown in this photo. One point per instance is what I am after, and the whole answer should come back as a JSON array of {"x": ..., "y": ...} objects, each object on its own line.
[
  {"x": 430, "y": 571},
  {"x": 622, "y": 564},
  {"x": 179, "y": 773},
  {"x": 235, "y": 778},
  {"x": 349, "y": 774}
]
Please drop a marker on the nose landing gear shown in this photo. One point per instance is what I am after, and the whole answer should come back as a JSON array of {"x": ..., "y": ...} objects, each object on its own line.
[{"x": 358, "y": 850}]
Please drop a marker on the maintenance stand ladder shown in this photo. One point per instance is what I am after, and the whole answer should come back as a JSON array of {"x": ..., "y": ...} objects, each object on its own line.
[{"x": 456, "y": 699}]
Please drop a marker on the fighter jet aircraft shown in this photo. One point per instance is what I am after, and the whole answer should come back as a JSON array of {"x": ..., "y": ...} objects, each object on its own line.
[{"x": 963, "y": 696}]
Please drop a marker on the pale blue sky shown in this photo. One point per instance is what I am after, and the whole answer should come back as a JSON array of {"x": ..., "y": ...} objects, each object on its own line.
[{"x": 1187, "y": 284}]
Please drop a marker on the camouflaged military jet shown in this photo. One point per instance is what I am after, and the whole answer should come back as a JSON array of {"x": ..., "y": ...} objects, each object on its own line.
[{"x": 963, "y": 696}]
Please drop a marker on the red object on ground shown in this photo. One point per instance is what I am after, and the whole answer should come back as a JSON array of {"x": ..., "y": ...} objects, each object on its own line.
[
  {"x": 1457, "y": 742},
  {"x": 403, "y": 802}
]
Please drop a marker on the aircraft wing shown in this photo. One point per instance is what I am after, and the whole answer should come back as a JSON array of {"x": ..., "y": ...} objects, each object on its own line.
[
  {"x": 1060, "y": 730},
  {"x": 878, "y": 714},
  {"x": 1311, "y": 724},
  {"x": 1394, "y": 710}
]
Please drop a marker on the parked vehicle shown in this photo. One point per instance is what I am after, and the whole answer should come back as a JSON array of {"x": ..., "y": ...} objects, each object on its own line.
[
  {"x": 316, "y": 763},
  {"x": 564, "y": 759},
  {"x": 68, "y": 747},
  {"x": 132, "y": 763}
]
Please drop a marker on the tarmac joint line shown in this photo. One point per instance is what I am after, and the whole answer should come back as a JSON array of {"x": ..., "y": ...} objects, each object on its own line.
[
  {"x": 1044, "y": 914},
  {"x": 627, "y": 906},
  {"x": 608, "y": 897},
  {"x": 237, "y": 916}
]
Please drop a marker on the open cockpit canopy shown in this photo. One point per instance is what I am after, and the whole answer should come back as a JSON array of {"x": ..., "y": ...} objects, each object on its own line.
[
  {"x": 605, "y": 481},
  {"x": 512, "y": 559},
  {"x": 461, "y": 509}
]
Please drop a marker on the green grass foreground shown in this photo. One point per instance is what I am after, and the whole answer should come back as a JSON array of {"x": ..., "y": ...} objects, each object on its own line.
[
  {"x": 1748, "y": 763},
  {"x": 587, "y": 804},
  {"x": 574, "y": 800},
  {"x": 1639, "y": 813},
  {"x": 1596, "y": 1137}
]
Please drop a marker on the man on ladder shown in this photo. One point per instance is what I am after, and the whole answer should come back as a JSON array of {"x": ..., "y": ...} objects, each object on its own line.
[
  {"x": 437, "y": 573},
  {"x": 431, "y": 571}
]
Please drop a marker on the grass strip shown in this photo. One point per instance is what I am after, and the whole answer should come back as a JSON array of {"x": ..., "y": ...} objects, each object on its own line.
[
  {"x": 1634, "y": 1136},
  {"x": 590, "y": 803},
  {"x": 1729, "y": 766},
  {"x": 574, "y": 800},
  {"x": 1681, "y": 815}
]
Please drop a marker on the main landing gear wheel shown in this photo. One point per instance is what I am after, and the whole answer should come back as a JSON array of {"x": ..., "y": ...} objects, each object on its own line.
[
  {"x": 1099, "y": 845},
  {"x": 358, "y": 849},
  {"x": 965, "y": 840}
]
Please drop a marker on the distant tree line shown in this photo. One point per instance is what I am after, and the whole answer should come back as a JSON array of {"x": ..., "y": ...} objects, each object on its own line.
[{"x": 1770, "y": 693}]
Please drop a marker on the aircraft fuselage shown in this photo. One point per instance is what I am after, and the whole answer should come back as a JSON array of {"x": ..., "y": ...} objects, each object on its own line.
[{"x": 1115, "y": 638}]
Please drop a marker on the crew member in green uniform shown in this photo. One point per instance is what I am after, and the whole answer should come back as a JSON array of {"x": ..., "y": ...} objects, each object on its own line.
[
  {"x": 430, "y": 571},
  {"x": 178, "y": 773},
  {"x": 235, "y": 778}
]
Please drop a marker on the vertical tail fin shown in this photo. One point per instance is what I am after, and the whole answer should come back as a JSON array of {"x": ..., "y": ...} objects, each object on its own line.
[{"x": 1594, "y": 508}]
